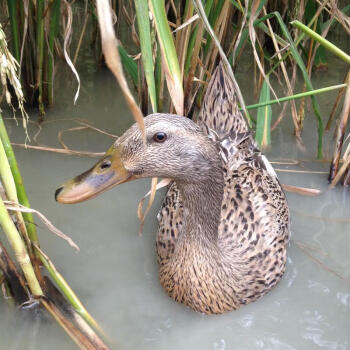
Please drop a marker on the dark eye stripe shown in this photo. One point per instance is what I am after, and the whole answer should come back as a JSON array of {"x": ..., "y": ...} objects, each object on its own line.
[{"x": 160, "y": 137}]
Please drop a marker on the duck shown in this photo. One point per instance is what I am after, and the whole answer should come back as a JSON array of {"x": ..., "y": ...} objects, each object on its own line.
[{"x": 224, "y": 224}]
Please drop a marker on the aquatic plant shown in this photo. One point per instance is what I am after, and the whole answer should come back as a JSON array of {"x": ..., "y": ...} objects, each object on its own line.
[
  {"x": 179, "y": 42},
  {"x": 28, "y": 285}
]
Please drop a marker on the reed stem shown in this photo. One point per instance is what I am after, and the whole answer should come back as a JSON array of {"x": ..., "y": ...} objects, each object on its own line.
[
  {"x": 54, "y": 25},
  {"x": 40, "y": 53},
  {"x": 66, "y": 289},
  {"x": 21, "y": 193},
  {"x": 296, "y": 96},
  {"x": 13, "y": 235},
  {"x": 323, "y": 41},
  {"x": 12, "y": 8}
]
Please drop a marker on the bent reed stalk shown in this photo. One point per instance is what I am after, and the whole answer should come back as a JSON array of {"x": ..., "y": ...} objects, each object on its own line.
[{"x": 24, "y": 242}]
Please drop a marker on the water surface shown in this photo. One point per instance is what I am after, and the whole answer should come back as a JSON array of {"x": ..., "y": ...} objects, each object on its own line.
[{"x": 116, "y": 275}]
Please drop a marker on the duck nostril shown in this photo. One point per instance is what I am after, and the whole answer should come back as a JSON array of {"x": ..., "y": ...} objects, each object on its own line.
[{"x": 57, "y": 192}]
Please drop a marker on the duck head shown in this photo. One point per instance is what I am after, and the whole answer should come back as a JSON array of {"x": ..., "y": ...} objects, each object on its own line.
[{"x": 175, "y": 148}]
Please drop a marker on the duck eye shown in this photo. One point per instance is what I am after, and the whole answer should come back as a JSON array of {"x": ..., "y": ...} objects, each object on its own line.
[
  {"x": 159, "y": 137},
  {"x": 105, "y": 164}
]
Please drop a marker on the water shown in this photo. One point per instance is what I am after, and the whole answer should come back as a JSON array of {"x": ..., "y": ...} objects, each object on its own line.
[{"x": 116, "y": 275}]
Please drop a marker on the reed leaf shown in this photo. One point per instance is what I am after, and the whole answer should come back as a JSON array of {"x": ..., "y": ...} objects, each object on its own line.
[
  {"x": 54, "y": 26},
  {"x": 111, "y": 53},
  {"x": 296, "y": 96},
  {"x": 159, "y": 79},
  {"x": 263, "y": 126},
  {"x": 200, "y": 10},
  {"x": 142, "y": 16},
  {"x": 21, "y": 193},
  {"x": 129, "y": 65},
  {"x": 307, "y": 80},
  {"x": 40, "y": 53},
  {"x": 170, "y": 61},
  {"x": 12, "y": 233},
  {"x": 12, "y": 9},
  {"x": 323, "y": 41}
]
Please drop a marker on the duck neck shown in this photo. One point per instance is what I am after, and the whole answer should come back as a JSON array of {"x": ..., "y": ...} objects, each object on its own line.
[{"x": 202, "y": 205}]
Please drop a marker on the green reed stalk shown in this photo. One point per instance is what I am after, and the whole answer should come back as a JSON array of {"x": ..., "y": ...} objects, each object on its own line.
[
  {"x": 263, "y": 125},
  {"x": 21, "y": 193},
  {"x": 129, "y": 65},
  {"x": 323, "y": 41},
  {"x": 11, "y": 193},
  {"x": 40, "y": 52},
  {"x": 12, "y": 6},
  {"x": 67, "y": 290},
  {"x": 296, "y": 96},
  {"x": 213, "y": 14},
  {"x": 170, "y": 59},
  {"x": 12, "y": 233},
  {"x": 142, "y": 16},
  {"x": 194, "y": 37},
  {"x": 158, "y": 79},
  {"x": 54, "y": 25},
  {"x": 300, "y": 62}
]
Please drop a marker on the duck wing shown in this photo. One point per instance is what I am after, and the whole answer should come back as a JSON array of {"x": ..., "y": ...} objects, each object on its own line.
[{"x": 219, "y": 110}]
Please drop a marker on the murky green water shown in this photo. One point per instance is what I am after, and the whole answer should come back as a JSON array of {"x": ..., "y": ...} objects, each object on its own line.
[{"x": 115, "y": 273}]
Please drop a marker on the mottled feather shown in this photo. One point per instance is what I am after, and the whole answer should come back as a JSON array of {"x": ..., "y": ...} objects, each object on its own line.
[{"x": 249, "y": 255}]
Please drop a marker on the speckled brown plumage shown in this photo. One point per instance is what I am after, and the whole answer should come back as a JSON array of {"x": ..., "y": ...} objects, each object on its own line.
[
  {"x": 224, "y": 223},
  {"x": 247, "y": 256}
]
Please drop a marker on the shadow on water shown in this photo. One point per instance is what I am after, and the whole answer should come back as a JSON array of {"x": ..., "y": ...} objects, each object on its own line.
[{"x": 115, "y": 273}]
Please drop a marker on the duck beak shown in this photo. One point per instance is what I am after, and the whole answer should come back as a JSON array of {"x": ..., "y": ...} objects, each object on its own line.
[{"x": 106, "y": 173}]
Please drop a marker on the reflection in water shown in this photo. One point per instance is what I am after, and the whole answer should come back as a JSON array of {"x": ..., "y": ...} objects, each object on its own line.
[{"x": 115, "y": 273}]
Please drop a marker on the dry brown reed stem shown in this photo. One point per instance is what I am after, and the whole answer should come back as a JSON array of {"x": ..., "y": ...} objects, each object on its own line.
[
  {"x": 317, "y": 45},
  {"x": 286, "y": 78},
  {"x": 193, "y": 66},
  {"x": 285, "y": 162},
  {"x": 222, "y": 24},
  {"x": 300, "y": 171},
  {"x": 341, "y": 172},
  {"x": 335, "y": 106},
  {"x": 15, "y": 281},
  {"x": 75, "y": 120},
  {"x": 305, "y": 250},
  {"x": 346, "y": 180},
  {"x": 184, "y": 37},
  {"x": 280, "y": 116},
  {"x": 79, "y": 331},
  {"x": 60, "y": 133},
  {"x": 60, "y": 150},
  {"x": 186, "y": 23},
  {"x": 8, "y": 74},
  {"x": 143, "y": 215},
  {"x": 343, "y": 120},
  {"x": 87, "y": 15},
  {"x": 331, "y": 7},
  {"x": 236, "y": 41},
  {"x": 13, "y": 206},
  {"x": 253, "y": 39},
  {"x": 303, "y": 191},
  {"x": 200, "y": 10},
  {"x": 110, "y": 51},
  {"x": 92, "y": 127}
]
